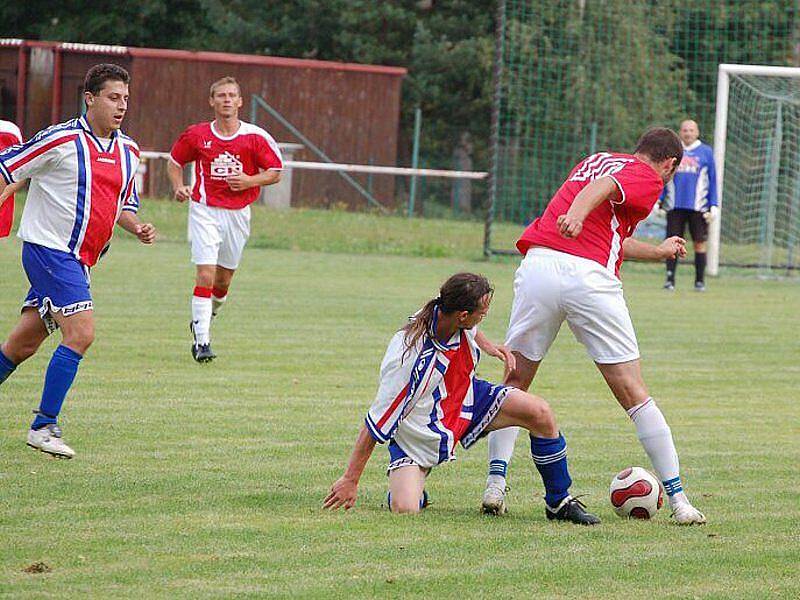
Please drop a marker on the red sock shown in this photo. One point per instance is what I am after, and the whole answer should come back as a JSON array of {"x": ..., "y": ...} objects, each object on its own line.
[
  {"x": 219, "y": 293},
  {"x": 202, "y": 292}
]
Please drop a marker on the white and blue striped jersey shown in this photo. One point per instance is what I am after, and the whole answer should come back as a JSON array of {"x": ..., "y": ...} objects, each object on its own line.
[
  {"x": 79, "y": 185},
  {"x": 694, "y": 186}
]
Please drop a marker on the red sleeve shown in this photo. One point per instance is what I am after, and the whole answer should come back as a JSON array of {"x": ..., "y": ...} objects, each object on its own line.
[
  {"x": 639, "y": 185},
  {"x": 184, "y": 150},
  {"x": 8, "y": 139},
  {"x": 268, "y": 155}
]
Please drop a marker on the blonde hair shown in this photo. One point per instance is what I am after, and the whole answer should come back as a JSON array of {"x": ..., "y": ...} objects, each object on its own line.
[{"x": 221, "y": 82}]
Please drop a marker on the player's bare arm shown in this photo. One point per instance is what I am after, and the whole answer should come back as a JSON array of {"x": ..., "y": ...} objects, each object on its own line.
[
  {"x": 146, "y": 232},
  {"x": 8, "y": 190},
  {"x": 344, "y": 490},
  {"x": 243, "y": 181},
  {"x": 181, "y": 191},
  {"x": 593, "y": 195},
  {"x": 672, "y": 247},
  {"x": 497, "y": 350}
]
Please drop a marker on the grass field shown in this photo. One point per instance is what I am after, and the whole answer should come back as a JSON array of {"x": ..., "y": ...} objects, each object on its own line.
[{"x": 206, "y": 481}]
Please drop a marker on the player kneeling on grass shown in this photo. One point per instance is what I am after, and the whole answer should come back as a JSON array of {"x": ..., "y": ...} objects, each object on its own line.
[{"x": 429, "y": 399}]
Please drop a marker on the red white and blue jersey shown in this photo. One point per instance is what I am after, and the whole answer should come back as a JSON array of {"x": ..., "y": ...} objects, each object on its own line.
[
  {"x": 79, "y": 186},
  {"x": 694, "y": 186},
  {"x": 425, "y": 401},
  {"x": 608, "y": 225},
  {"x": 10, "y": 135}
]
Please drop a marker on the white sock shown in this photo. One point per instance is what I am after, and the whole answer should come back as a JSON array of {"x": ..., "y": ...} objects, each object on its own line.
[
  {"x": 656, "y": 437},
  {"x": 501, "y": 448},
  {"x": 201, "y": 319},
  {"x": 216, "y": 303}
]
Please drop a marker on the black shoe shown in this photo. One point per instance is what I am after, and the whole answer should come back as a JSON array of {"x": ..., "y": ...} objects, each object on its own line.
[
  {"x": 572, "y": 510},
  {"x": 669, "y": 285},
  {"x": 203, "y": 353},
  {"x": 699, "y": 286}
]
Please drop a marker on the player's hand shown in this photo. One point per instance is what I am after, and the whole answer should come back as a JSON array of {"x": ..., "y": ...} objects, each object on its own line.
[
  {"x": 183, "y": 193},
  {"x": 711, "y": 214},
  {"x": 146, "y": 232},
  {"x": 508, "y": 358},
  {"x": 672, "y": 247},
  {"x": 239, "y": 183},
  {"x": 569, "y": 226},
  {"x": 343, "y": 493}
]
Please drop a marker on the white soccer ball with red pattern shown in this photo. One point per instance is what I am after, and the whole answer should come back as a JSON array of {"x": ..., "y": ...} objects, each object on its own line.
[{"x": 636, "y": 493}]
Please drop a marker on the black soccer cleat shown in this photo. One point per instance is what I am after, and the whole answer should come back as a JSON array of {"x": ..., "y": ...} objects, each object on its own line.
[
  {"x": 203, "y": 353},
  {"x": 572, "y": 510}
]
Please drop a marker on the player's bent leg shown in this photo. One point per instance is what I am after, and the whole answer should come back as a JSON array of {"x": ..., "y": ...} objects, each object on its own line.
[
  {"x": 23, "y": 341},
  {"x": 549, "y": 453},
  {"x": 406, "y": 489},
  {"x": 219, "y": 291},
  {"x": 501, "y": 443},
  {"x": 655, "y": 435},
  {"x": 78, "y": 334}
]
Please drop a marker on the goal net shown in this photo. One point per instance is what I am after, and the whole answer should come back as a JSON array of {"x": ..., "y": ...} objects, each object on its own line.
[{"x": 757, "y": 151}]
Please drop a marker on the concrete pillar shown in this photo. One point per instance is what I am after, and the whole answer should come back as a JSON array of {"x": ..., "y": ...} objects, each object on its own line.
[{"x": 280, "y": 194}]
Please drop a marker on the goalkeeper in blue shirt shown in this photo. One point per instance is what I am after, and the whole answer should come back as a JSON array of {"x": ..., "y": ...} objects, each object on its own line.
[{"x": 691, "y": 199}]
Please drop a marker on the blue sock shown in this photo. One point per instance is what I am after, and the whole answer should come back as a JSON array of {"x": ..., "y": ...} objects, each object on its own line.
[
  {"x": 59, "y": 377},
  {"x": 498, "y": 467},
  {"x": 550, "y": 457},
  {"x": 6, "y": 367}
]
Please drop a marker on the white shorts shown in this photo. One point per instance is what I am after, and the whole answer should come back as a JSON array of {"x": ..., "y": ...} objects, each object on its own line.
[
  {"x": 218, "y": 235},
  {"x": 551, "y": 286}
]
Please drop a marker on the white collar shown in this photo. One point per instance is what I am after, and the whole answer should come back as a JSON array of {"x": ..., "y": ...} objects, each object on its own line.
[
  {"x": 223, "y": 137},
  {"x": 693, "y": 145}
]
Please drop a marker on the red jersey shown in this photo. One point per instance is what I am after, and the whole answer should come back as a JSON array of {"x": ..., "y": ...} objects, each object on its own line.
[
  {"x": 9, "y": 136},
  {"x": 608, "y": 225},
  {"x": 217, "y": 157}
]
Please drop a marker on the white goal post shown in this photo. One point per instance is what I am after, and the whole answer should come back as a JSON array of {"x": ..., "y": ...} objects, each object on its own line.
[{"x": 720, "y": 138}]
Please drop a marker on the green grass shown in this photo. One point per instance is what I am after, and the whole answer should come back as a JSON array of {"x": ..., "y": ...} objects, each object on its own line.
[{"x": 206, "y": 481}]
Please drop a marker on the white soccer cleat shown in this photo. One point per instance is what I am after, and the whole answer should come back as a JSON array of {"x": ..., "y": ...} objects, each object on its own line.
[
  {"x": 494, "y": 500},
  {"x": 48, "y": 440},
  {"x": 686, "y": 514}
]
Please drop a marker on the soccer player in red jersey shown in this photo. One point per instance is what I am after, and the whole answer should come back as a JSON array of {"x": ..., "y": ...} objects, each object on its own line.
[
  {"x": 571, "y": 271},
  {"x": 232, "y": 160},
  {"x": 10, "y": 135}
]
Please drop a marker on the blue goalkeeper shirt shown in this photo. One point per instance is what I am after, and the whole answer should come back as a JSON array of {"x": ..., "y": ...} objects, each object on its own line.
[{"x": 694, "y": 186}]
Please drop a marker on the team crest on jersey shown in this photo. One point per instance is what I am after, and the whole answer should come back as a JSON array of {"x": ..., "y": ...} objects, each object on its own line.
[
  {"x": 226, "y": 165},
  {"x": 206, "y": 144},
  {"x": 689, "y": 164}
]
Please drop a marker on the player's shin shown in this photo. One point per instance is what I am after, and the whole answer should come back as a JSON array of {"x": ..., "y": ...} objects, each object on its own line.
[
  {"x": 59, "y": 377},
  {"x": 550, "y": 457},
  {"x": 6, "y": 367},
  {"x": 501, "y": 448},
  {"x": 218, "y": 298},
  {"x": 656, "y": 437},
  {"x": 201, "y": 314}
]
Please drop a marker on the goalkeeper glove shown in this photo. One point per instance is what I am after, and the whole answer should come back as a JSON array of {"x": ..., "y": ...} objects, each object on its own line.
[{"x": 711, "y": 214}]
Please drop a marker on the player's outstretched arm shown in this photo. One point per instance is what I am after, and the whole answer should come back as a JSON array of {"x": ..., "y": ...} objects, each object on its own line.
[
  {"x": 593, "y": 195},
  {"x": 672, "y": 247},
  {"x": 146, "y": 232},
  {"x": 242, "y": 181},
  {"x": 344, "y": 490},
  {"x": 175, "y": 173}
]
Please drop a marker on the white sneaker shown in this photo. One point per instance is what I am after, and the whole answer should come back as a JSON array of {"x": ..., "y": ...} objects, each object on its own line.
[
  {"x": 48, "y": 439},
  {"x": 686, "y": 514},
  {"x": 494, "y": 500}
]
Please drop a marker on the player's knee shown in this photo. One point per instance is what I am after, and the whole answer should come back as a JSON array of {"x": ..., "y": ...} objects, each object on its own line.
[
  {"x": 540, "y": 417},
  {"x": 405, "y": 506},
  {"x": 80, "y": 338}
]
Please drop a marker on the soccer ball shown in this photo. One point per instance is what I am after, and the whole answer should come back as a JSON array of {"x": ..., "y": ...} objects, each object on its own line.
[{"x": 636, "y": 493}]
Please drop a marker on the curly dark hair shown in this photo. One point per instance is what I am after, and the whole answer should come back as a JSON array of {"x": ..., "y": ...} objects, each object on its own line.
[{"x": 99, "y": 74}]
